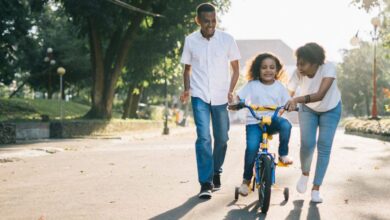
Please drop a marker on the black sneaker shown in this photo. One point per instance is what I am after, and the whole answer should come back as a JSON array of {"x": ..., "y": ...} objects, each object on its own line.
[
  {"x": 205, "y": 191},
  {"x": 217, "y": 182}
]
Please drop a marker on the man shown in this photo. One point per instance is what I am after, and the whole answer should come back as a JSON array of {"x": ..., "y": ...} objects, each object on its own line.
[{"x": 206, "y": 57}]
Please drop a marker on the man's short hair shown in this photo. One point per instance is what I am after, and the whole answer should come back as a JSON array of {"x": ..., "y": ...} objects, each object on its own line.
[{"x": 204, "y": 7}]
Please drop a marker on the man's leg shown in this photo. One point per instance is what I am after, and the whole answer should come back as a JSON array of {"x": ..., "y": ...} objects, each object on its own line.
[
  {"x": 204, "y": 157},
  {"x": 220, "y": 121}
]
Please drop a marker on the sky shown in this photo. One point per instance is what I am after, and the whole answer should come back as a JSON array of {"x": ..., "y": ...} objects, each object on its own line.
[{"x": 330, "y": 23}]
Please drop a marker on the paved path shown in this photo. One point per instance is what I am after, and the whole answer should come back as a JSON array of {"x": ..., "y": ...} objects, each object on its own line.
[{"x": 149, "y": 176}]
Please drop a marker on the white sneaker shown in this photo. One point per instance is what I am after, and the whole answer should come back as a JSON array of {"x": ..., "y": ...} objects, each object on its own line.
[
  {"x": 244, "y": 189},
  {"x": 302, "y": 184},
  {"x": 315, "y": 196}
]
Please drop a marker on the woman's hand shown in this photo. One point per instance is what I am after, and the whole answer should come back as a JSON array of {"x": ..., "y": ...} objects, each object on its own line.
[{"x": 291, "y": 105}]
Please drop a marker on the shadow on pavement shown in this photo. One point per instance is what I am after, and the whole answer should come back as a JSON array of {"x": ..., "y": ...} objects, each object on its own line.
[
  {"x": 250, "y": 211},
  {"x": 313, "y": 213},
  {"x": 296, "y": 212},
  {"x": 180, "y": 211}
]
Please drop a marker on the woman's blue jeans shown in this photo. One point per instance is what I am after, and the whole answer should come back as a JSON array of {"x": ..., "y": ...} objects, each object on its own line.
[
  {"x": 254, "y": 137},
  {"x": 210, "y": 161},
  {"x": 326, "y": 123}
]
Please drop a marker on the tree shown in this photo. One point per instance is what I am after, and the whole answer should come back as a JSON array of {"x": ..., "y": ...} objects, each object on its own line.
[
  {"x": 112, "y": 31},
  {"x": 15, "y": 27},
  {"x": 355, "y": 79},
  {"x": 54, "y": 30}
]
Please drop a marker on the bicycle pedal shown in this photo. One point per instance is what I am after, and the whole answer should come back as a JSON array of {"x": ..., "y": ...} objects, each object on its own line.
[{"x": 281, "y": 164}]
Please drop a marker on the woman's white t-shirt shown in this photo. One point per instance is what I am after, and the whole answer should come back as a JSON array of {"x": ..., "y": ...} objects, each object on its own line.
[
  {"x": 312, "y": 85},
  {"x": 258, "y": 93}
]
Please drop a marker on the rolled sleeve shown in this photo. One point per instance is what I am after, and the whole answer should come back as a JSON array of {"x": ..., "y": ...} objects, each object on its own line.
[
  {"x": 186, "y": 55},
  {"x": 234, "y": 52}
]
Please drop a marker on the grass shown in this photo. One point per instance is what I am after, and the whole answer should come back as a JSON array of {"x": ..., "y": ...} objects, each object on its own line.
[{"x": 16, "y": 109}]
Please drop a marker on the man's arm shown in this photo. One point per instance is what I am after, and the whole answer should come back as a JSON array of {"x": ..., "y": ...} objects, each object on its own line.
[
  {"x": 186, "y": 76},
  {"x": 236, "y": 73}
]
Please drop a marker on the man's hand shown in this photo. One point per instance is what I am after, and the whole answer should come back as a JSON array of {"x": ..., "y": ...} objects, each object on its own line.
[
  {"x": 184, "y": 97},
  {"x": 230, "y": 97}
]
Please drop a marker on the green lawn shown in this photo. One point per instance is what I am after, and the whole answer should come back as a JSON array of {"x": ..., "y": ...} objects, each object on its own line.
[{"x": 16, "y": 109}]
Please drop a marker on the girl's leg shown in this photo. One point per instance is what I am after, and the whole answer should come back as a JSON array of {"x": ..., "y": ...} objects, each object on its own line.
[
  {"x": 327, "y": 128},
  {"x": 253, "y": 138}
]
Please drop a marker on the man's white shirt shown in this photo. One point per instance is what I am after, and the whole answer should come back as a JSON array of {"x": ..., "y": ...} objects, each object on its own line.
[{"x": 210, "y": 60}]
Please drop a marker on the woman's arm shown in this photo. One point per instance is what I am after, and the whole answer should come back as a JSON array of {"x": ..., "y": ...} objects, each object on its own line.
[{"x": 314, "y": 97}]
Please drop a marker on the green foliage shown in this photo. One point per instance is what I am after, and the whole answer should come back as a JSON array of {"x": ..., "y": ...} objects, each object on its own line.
[
  {"x": 15, "y": 29},
  {"x": 355, "y": 79},
  {"x": 32, "y": 109},
  {"x": 70, "y": 51}
]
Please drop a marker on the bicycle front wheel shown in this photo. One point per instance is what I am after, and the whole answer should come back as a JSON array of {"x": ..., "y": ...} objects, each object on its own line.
[{"x": 265, "y": 173}]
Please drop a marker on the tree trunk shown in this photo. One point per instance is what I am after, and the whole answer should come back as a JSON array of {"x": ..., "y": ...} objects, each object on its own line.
[
  {"x": 127, "y": 103},
  {"x": 104, "y": 85},
  {"x": 97, "y": 110},
  {"x": 135, "y": 98}
]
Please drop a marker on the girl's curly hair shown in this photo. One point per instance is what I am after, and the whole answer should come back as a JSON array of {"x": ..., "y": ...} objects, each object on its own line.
[{"x": 255, "y": 67}]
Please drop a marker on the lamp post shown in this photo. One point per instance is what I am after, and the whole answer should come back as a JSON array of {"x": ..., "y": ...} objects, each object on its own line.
[
  {"x": 375, "y": 37},
  {"x": 61, "y": 71},
  {"x": 49, "y": 58},
  {"x": 166, "y": 129}
]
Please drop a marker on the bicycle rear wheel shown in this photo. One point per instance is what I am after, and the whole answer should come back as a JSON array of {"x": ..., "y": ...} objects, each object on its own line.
[{"x": 265, "y": 173}]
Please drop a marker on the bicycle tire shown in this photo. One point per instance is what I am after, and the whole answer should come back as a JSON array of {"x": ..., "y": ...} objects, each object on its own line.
[{"x": 265, "y": 183}]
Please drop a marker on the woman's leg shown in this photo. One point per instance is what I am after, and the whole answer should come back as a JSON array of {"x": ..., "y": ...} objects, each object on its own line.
[
  {"x": 253, "y": 138},
  {"x": 308, "y": 122},
  {"x": 327, "y": 128}
]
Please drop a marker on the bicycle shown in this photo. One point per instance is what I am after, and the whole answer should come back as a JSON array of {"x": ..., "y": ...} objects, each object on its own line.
[{"x": 264, "y": 167}]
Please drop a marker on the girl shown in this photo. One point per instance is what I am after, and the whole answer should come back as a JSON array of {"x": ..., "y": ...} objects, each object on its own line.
[
  {"x": 263, "y": 88},
  {"x": 320, "y": 109}
]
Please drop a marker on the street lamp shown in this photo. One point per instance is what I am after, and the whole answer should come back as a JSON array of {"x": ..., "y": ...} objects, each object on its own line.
[
  {"x": 49, "y": 58},
  {"x": 166, "y": 112},
  {"x": 61, "y": 71},
  {"x": 375, "y": 37}
]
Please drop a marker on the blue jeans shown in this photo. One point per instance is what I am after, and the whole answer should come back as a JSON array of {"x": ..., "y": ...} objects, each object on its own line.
[
  {"x": 326, "y": 123},
  {"x": 210, "y": 161},
  {"x": 254, "y": 138}
]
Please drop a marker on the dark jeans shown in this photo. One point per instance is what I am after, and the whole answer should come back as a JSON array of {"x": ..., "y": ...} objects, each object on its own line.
[{"x": 210, "y": 161}]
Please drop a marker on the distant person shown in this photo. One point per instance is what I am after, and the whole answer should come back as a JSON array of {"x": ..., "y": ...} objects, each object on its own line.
[
  {"x": 320, "y": 109},
  {"x": 206, "y": 57},
  {"x": 263, "y": 88}
]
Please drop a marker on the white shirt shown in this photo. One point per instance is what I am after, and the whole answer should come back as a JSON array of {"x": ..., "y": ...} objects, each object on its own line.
[
  {"x": 209, "y": 60},
  {"x": 257, "y": 93},
  {"x": 312, "y": 85}
]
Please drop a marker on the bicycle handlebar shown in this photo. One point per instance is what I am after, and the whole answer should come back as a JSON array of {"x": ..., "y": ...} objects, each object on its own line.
[{"x": 252, "y": 108}]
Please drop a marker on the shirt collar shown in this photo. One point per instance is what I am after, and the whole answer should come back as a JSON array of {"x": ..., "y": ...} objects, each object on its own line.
[{"x": 215, "y": 36}]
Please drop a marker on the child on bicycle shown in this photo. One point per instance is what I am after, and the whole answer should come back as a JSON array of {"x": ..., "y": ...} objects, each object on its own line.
[{"x": 264, "y": 88}]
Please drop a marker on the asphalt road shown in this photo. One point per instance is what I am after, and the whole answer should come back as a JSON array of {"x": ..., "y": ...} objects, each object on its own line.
[{"x": 149, "y": 176}]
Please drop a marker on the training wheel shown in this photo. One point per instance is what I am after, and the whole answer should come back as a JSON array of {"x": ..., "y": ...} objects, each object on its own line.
[
  {"x": 286, "y": 193},
  {"x": 236, "y": 193}
]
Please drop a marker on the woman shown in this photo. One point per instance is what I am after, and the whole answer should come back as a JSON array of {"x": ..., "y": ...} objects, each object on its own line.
[{"x": 320, "y": 109}]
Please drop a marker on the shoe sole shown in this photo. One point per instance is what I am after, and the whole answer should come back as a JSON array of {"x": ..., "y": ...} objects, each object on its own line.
[
  {"x": 216, "y": 188},
  {"x": 205, "y": 195}
]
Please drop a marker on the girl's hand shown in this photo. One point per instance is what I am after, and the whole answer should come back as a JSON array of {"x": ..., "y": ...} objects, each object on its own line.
[{"x": 291, "y": 105}]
